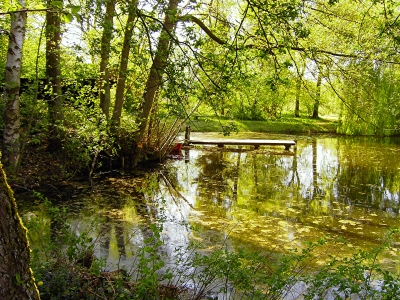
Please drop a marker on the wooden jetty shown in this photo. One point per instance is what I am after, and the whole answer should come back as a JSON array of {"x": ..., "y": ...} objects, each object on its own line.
[
  {"x": 256, "y": 143},
  {"x": 238, "y": 142}
]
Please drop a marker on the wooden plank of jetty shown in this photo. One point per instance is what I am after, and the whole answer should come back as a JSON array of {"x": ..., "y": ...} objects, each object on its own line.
[{"x": 256, "y": 143}]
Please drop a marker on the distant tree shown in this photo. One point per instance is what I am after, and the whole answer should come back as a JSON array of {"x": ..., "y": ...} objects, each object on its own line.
[{"x": 317, "y": 98}]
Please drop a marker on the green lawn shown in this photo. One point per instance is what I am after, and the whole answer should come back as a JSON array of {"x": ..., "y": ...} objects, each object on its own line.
[{"x": 282, "y": 125}]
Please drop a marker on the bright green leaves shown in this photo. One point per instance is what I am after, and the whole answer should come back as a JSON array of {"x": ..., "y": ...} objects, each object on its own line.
[
  {"x": 333, "y": 2},
  {"x": 58, "y": 5},
  {"x": 71, "y": 12}
]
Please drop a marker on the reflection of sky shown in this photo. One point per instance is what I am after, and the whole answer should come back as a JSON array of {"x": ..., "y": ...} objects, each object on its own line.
[{"x": 274, "y": 209}]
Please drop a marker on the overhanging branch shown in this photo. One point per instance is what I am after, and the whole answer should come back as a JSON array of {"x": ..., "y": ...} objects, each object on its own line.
[{"x": 203, "y": 27}]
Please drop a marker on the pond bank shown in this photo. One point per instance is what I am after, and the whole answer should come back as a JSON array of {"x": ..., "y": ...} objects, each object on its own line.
[{"x": 287, "y": 125}]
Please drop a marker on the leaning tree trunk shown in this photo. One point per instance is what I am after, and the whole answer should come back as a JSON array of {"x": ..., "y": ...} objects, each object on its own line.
[
  {"x": 11, "y": 117},
  {"x": 123, "y": 67},
  {"x": 53, "y": 75},
  {"x": 16, "y": 279},
  {"x": 317, "y": 99},
  {"x": 158, "y": 67},
  {"x": 108, "y": 25}
]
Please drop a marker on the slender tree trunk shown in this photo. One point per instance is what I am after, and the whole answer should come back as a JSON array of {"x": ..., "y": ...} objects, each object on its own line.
[
  {"x": 317, "y": 99},
  {"x": 298, "y": 92},
  {"x": 158, "y": 67},
  {"x": 108, "y": 26},
  {"x": 297, "y": 106},
  {"x": 16, "y": 279},
  {"x": 53, "y": 75},
  {"x": 11, "y": 117},
  {"x": 299, "y": 80},
  {"x": 119, "y": 94}
]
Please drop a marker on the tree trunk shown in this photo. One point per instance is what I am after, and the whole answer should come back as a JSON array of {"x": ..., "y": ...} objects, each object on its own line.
[
  {"x": 53, "y": 75},
  {"x": 11, "y": 117},
  {"x": 298, "y": 92},
  {"x": 16, "y": 279},
  {"x": 108, "y": 25},
  {"x": 158, "y": 67},
  {"x": 317, "y": 99},
  {"x": 119, "y": 94},
  {"x": 299, "y": 80}
]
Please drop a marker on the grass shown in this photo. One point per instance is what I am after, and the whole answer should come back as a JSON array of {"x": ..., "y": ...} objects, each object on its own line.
[{"x": 282, "y": 125}]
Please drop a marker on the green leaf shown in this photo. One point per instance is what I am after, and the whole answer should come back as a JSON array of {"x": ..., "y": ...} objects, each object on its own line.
[
  {"x": 68, "y": 17},
  {"x": 75, "y": 9},
  {"x": 40, "y": 6},
  {"x": 56, "y": 4}
]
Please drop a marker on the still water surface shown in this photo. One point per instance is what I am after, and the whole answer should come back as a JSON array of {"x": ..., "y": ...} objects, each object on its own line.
[{"x": 269, "y": 199}]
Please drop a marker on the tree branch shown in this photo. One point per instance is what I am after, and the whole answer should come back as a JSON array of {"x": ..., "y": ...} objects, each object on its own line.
[
  {"x": 204, "y": 27},
  {"x": 24, "y": 10}
]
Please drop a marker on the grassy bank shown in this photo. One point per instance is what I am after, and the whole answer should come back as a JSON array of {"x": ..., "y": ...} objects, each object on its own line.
[{"x": 281, "y": 125}]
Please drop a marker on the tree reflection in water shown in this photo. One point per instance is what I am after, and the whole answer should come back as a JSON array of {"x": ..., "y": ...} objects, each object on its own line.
[{"x": 266, "y": 199}]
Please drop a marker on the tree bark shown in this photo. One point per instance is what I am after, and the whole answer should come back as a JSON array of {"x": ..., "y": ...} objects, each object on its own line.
[
  {"x": 299, "y": 80},
  {"x": 16, "y": 279},
  {"x": 297, "y": 104},
  {"x": 123, "y": 67},
  {"x": 53, "y": 75},
  {"x": 317, "y": 99},
  {"x": 108, "y": 25},
  {"x": 158, "y": 67},
  {"x": 11, "y": 116}
]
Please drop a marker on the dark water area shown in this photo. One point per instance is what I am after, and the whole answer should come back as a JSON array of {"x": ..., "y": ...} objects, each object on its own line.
[{"x": 266, "y": 200}]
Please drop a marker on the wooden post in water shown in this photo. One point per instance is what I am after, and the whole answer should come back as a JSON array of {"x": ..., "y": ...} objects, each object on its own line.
[{"x": 187, "y": 135}]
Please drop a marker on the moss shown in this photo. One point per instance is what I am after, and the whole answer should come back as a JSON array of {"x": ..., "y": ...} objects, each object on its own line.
[{"x": 21, "y": 230}]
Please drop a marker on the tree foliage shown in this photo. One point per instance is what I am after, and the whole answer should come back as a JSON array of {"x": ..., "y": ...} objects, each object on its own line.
[{"x": 155, "y": 63}]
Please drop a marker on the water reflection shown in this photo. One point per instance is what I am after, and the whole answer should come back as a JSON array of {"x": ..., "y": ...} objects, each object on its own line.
[{"x": 265, "y": 199}]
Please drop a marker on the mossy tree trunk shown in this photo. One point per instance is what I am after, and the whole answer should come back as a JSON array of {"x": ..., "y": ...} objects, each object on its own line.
[
  {"x": 158, "y": 67},
  {"x": 53, "y": 73},
  {"x": 11, "y": 116},
  {"x": 123, "y": 65},
  {"x": 16, "y": 279},
  {"x": 108, "y": 25}
]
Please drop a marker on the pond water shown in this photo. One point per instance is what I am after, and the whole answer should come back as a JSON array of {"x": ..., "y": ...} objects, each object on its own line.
[{"x": 267, "y": 199}]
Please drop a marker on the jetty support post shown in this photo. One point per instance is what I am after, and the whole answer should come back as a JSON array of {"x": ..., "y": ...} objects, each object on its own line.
[{"x": 187, "y": 135}]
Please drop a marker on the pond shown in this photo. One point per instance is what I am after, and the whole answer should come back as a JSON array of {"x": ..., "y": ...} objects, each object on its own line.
[{"x": 266, "y": 200}]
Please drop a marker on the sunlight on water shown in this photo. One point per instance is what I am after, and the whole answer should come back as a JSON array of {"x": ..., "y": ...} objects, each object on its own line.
[{"x": 265, "y": 200}]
